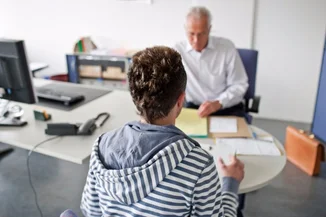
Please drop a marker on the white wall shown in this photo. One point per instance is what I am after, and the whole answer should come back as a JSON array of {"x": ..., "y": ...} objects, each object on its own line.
[
  {"x": 290, "y": 36},
  {"x": 232, "y": 19},
  {"x": 50, "y": 28}
]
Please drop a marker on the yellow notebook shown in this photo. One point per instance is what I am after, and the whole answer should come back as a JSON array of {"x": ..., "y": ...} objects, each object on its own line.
[{"x": 191, "y": 124}]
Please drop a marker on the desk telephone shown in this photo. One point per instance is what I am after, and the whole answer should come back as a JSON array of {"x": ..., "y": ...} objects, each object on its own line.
[{"x": 86, "y": 128}]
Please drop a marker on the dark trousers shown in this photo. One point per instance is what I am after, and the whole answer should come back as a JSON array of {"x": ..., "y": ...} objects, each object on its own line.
[{"x": 237, "y": 110}]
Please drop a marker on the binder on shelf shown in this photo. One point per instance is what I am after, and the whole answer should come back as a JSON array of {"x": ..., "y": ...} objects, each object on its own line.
[{"x": 89, "y": 66}]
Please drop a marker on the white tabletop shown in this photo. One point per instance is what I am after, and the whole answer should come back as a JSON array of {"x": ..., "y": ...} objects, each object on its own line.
[
  {"x": 71, "y": 148},
  {"x": 259, "y": 170}
]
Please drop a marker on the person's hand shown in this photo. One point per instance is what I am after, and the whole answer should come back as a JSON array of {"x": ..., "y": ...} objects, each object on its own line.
[
  {"x": 235, "y": 169},
  {"x": 208, "y": 108}
]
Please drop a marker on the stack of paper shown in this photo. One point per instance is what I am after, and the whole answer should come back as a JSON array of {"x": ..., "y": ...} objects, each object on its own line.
[
  {"x": 250, "y": 146},
  {"x": 223, "y": 125},
  {"x": 228, "y": 127},
  {"x": 191, "y": 124}
]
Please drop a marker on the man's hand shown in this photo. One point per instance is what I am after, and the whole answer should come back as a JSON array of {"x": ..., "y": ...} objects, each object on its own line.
[
  {"x": 208, "y": 108},
  {"x": 235, "y": 169}
]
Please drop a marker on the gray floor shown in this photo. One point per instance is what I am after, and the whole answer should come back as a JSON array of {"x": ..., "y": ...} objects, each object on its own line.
[
  {"x": 59, "y": 185},
  {"x": 293, "y": 193}
]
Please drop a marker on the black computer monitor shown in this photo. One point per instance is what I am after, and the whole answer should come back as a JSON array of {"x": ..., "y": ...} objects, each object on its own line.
[
  {"x": 15, "y": 80},
  {"x": 15, "y": 76}
]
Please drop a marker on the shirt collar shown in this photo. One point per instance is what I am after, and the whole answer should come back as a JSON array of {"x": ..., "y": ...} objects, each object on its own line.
[
  {"x": 209, "y": 45},
  {"x": 188, "y": 48}
]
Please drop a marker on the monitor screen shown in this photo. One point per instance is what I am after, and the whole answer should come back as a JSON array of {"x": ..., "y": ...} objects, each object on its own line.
[
  {"x": 319, "y": 121},
  {"x": 15, "y": 76}
]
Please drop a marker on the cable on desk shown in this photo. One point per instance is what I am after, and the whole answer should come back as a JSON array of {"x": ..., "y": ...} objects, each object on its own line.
[{"x": 29, "y": 171}]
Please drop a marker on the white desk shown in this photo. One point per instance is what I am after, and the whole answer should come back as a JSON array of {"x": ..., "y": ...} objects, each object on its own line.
[
  {"x": 71, "y": 148},
  {"x": 259, "y": 170}
]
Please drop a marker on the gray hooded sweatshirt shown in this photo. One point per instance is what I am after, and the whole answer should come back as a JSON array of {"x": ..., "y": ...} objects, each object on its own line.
[{"x": 149, "y": 170}]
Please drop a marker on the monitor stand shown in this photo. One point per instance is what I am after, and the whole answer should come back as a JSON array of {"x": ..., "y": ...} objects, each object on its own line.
[{"x": 12, "y": 122}]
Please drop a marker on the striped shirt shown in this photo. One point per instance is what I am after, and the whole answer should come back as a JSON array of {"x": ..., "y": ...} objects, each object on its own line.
[{"x": 180, "y": 180}]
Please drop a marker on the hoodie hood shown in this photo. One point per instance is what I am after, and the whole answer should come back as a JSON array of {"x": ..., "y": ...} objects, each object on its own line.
[
  {"x": 131, "y": 185},
  {"x": 135, "y": 144}
]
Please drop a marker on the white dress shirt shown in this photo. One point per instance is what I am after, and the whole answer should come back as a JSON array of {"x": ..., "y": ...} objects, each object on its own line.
[{"x": 215, "y": 73}]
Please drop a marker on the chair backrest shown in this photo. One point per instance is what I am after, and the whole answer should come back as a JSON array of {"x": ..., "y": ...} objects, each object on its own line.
[{"x": 249, "y": 59}]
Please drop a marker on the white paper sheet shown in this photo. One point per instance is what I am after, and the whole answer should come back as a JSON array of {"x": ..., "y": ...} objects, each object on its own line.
[
  {"x": 266, "y": 138},
  {"x": 217, "y": 152},
  {"x": 250, "y": 146},
  {"x": 223, "y": 125}
]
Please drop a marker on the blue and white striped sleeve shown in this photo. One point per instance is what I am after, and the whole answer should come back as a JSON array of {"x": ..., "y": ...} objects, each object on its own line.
[
  {"x": 210, "y": 199},
  {"x": 90, "y": 204}
]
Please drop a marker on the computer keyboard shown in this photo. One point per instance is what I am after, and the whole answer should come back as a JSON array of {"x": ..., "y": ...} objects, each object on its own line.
[{"x": 59, "y": 96}]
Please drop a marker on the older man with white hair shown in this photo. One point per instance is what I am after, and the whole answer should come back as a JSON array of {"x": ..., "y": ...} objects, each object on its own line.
[{"x": 217, "y": 81}]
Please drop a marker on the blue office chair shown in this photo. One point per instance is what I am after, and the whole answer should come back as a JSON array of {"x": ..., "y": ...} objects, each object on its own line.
[{"x": 249, "y": 59}]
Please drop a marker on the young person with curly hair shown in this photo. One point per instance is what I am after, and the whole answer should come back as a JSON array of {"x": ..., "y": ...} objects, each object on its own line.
[{"x": 150, "y": 167}]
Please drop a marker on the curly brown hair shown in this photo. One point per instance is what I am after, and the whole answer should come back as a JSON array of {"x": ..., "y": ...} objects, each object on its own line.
[{"x": 156, "y": 79}]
